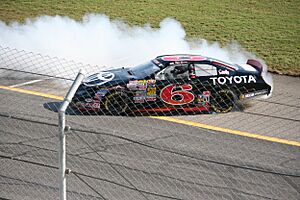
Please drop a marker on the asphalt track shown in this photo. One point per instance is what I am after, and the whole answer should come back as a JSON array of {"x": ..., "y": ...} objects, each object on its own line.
[{"x": 249, "y": 154}]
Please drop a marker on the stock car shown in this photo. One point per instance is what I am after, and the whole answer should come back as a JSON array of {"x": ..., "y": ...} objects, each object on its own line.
[{"x": 172, "y": 82}]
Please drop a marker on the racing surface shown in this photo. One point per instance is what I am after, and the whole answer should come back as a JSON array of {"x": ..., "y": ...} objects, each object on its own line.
[{"x": 119, "y": 157}]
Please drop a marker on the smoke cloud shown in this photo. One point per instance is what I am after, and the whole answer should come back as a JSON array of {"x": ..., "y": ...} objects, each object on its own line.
[{"x": 97, "y": 40}]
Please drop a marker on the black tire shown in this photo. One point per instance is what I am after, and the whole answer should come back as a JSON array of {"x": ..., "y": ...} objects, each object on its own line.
[
  {"x": 223, "y": 101},
  {"x": 117, "y": 103}
]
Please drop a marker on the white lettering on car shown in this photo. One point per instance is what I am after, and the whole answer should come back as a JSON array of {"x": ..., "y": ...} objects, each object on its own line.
[
  {"x": 230, "y": 79},
  {"x": 233, "y": 79},
  {"x": 214, "y": 80},
  {"x": 222, "y": 80},
  {"x": 223, "y": 71},
  {"x": 252, "y": 78},
  {"x": 237, "y": 79}
]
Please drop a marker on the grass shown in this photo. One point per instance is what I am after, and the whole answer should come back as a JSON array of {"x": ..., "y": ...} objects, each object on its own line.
[{"x": 270, "y": 29}]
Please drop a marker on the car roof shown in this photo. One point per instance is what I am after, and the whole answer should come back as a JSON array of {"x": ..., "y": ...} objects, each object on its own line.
[
  {"x": 181, "y": 57},
  {"x": 193, "y": 57}
]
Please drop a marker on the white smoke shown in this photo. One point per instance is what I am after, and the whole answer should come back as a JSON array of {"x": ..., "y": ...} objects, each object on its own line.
[{"x": 97, "y": 40}]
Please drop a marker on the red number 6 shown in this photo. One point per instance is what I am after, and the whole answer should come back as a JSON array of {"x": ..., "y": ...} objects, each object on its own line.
[{"x": 168, "y": 95}]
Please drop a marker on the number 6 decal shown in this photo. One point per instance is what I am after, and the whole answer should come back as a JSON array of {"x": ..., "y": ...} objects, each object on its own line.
[{"x": 177, "y": 94}]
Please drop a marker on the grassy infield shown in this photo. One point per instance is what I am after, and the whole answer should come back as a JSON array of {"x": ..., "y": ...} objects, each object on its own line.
[{"x": 269, "y": 28}]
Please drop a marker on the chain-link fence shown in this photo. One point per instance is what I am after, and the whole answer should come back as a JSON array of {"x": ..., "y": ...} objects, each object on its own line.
[{"x": 148, "y": 137}]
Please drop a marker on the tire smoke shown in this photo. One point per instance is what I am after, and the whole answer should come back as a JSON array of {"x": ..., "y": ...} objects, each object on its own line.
[{"x": 97, "y": 40}]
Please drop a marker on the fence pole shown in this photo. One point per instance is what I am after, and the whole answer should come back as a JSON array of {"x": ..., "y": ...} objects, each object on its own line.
[{"x": 62, "y": 135}]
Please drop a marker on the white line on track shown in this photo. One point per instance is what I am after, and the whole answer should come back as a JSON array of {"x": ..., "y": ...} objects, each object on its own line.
[{"x": 28, "y": 83}]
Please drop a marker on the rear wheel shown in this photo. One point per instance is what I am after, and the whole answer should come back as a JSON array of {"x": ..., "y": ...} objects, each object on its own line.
[
  {"x": 223, "y": 101},
  {"x": 117, "y": 103}
]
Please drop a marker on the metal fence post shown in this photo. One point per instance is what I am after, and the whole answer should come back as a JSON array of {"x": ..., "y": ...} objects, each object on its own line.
[{"x": 62, "y": 135}]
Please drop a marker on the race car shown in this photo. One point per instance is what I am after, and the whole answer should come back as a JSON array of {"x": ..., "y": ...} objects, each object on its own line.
[{"x": 189, "y": 83}]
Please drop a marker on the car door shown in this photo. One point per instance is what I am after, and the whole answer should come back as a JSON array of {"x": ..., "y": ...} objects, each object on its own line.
[
  {"x": 174, "y": 88},
  {"x": 211, "y": 84},
  {"x": 201, "y": 78}
]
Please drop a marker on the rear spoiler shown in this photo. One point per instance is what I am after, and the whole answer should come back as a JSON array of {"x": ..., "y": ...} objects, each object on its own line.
[{"x": 256, "y": 64}]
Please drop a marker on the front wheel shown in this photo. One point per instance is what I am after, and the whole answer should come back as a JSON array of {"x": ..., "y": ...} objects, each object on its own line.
[
  {"x": 117, "y": 103},
  {"x": 223, "y": 101}
]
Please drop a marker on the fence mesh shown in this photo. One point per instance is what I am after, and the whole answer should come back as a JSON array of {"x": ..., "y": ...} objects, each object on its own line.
[{"x": 121, "y": 146}]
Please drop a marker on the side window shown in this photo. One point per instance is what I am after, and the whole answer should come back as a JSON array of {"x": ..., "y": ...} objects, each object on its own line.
[
  {"x": 205, "y": 70},
  {"x": 173, "y": 72},
  {"x": 160, "y": 75}
]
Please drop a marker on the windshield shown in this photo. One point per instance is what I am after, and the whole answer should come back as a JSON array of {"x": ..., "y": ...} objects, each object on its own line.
[{"x": 144, "y": 70}]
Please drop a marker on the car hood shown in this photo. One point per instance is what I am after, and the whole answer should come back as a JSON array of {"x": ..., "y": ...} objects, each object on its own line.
[{"x": 109, "y": 77}]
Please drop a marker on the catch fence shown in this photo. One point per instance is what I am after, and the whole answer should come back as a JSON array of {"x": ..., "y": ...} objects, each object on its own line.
[{"x": 251, "y": 152}]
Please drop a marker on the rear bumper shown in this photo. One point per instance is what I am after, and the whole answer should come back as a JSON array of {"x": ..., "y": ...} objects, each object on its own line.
[{"x": 255, "y": 94}]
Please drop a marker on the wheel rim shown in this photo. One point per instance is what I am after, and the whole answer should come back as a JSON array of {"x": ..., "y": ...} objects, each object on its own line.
[
  {"x": 117, "y": 103},
  {"x": 223, "y": 102}
]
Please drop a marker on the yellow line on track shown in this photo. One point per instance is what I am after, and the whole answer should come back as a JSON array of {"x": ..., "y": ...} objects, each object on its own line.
[
  {"x": 226, "y": 130},
  {"x": 40, "y": 94},
  {"x": 171, "y": 119}
]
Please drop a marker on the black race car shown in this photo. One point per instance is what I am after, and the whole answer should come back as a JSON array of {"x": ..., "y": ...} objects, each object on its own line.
[{"x": 172, "y": 82}]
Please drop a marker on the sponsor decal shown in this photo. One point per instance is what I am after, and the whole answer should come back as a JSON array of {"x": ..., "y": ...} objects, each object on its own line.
[
  {"x": 100, "y": 94},
  {"x": 139, "y": 97},
  {"x": 253, "y": 94},
  {"x": 226, "y": 72},
  {"x": 151, "y": 82},
  {"x": 233, "y": 79},
  {"x": 261, "y": 92},
  {"x": 177, "y": 94},
  {"x": 145, "y": 90},
  {"x": 204, "y": 98},
  {"x": 151, "y": 94},
  {"x": 95, "y": 105},
  {"x": 88, "y": 100},
  {"x": 183, "y": 57},
  {"x": 99, "y": 78},
  {"x": 151, "y": 90},
  {"x": 206, "y": 93},
  {"x": 137, "y": 85},
  {"x": 92, "y": 104}
]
